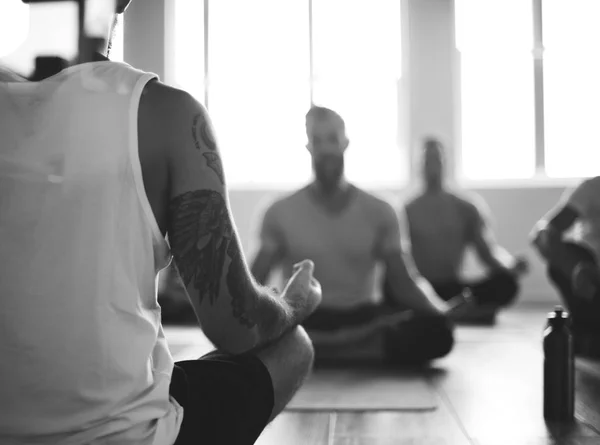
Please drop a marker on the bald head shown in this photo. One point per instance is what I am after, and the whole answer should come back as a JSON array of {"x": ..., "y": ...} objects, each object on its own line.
[
  {"x": 327, "y": 143},
  {"x": 433, "y": 162}
]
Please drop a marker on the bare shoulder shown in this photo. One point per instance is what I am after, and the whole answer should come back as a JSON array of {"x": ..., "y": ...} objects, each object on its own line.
[
  {"x": 165, "y": 113},
  {"x": 592, "y": 184},
  {"x": 161, "y": 112},
  {"x": 377, "y": 205},
  {"x": 285, "y": 202},
  {"x": 166, "y": 99},
  {"x": 412, "y": 202},
  {"x": 470, "y": 203}
]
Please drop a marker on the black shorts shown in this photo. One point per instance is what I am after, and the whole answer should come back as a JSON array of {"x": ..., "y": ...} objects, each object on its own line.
[{"x": 226, "y": 399}]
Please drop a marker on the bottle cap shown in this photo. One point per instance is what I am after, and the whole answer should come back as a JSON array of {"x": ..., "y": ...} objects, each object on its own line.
[{"x": 559, "y": 315}]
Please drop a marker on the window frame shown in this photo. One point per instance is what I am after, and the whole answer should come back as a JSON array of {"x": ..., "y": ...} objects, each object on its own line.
[
  {"x": 540, "y": 178},
  {"x": 405, "y": 175}
]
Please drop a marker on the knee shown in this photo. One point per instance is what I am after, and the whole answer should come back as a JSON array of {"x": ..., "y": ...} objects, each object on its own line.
[
  {"x": 507, "y": 289},
  {"x": 291, "y": 358},
  {"x": 301, "y": 350},
  {"x": 442, "y": 341},
  {"x": 289, "y": 362},
  {"x": 420, "y": 340},
  {"x": 511, "y": 290}
]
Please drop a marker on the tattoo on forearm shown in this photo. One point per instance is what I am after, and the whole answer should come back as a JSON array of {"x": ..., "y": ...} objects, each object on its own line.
[
  {"x": 202, "y": 133},
  {"x": 214, "y": 162},
  {"x": 201, "y": 237},
  {"x": 244, "y": 309}
]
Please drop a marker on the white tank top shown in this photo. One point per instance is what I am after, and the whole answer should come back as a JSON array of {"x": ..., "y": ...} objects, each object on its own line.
[{"x": 83, "y": 357}]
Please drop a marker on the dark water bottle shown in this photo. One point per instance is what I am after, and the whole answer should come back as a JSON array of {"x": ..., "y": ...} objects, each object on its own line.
[{"x": 559, "y": 372}]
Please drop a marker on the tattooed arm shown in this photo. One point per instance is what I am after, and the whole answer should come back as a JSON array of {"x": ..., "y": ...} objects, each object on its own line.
[{"x": 235, "y": 313}]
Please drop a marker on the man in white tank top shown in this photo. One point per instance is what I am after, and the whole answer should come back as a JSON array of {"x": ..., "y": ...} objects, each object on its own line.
[
  {"x": 568, "y": 240},
  {"x": 348, "y": 233},
  {"x": 98, "y": 163}
]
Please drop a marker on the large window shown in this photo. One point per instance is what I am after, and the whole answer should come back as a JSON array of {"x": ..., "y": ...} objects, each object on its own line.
[
  {"x": 571, "y": 87},
  {"x": 267, "y": 59},
  {"x": 14, "y": 25},
  {"x": 494, "y": 39},
  {"x": 529, "y": 67},
  {"x": 356, "y": 71},
  {"x": 259, "y": 69},
  {"x": 189, "y": 47}
]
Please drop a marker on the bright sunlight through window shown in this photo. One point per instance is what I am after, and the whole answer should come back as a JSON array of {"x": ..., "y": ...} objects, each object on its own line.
[
  {"x": 14, "y": 25},
  {"x": 495, "y": 40},
  {"x": 260, "y": 83},
  {"x": 357, "y": 74},
  {"x": 571, "y": 87}
]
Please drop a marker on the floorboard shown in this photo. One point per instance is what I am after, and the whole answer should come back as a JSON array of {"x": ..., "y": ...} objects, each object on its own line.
[
  {"x": 489, "y": 390},
  {"x": 299, "y": 429},
  {"x": 493, "y": 382}
]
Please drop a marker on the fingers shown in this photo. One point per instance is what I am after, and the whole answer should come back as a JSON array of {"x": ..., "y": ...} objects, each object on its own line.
[{"x": 307, "y": 265}]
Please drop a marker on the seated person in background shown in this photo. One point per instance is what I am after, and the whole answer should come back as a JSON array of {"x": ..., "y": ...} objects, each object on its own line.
[
  {"x": 568, "y": 239},
  {"x": 441, "y": 226},
  {"x": 347, "y": 232}
]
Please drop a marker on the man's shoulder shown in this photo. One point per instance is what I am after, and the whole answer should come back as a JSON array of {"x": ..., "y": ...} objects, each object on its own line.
[
  {"x": 582, "y": 195},
  {"x": 464, "y": 198},
  {"x": 413, "y": 201},
  {"x": 165, "y": 100},
  {"x": 166, "y": 113},
  {"x": 284, "y": 202},
  {"x": 375, "y": 204},
  {"x": 470, "y": 204},
  {"x": 592, "y": 184}
]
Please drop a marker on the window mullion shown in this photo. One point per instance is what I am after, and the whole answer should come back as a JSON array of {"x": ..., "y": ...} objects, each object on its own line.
[
  {"x": 310, "y": 51},
  {"x": 538, "y": 72}
]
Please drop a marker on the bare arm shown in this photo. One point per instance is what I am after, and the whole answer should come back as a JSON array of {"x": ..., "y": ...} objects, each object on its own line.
[
  {"x": 547, "y": 238},
  {"x": 547, "y": 235},
  {"x": 407, "y": 285},
  {"x": 482, "y": 238},
  {"x": 236, "y": 314}
]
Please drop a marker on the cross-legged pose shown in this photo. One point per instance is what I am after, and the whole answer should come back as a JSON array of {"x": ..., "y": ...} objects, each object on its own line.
[
  {"x": 98, "y": 163},
  {"x": 348, "y": 232},
  {"x": 442, "y": 225}
]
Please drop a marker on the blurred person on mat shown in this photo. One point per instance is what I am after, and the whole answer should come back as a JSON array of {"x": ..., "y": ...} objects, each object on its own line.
[
  {"x": 348, "y": 232},
  {"x": 99, "y": 162},
  {"x": 441, "y": 225},
  {"x": 568, "y": 241}
]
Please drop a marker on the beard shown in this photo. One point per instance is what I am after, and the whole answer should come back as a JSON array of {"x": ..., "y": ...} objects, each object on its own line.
[{"x": 329, "y": 170}]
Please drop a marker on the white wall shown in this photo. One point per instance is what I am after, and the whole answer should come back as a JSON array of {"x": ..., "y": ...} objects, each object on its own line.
[{"x": 430, "y": 83}]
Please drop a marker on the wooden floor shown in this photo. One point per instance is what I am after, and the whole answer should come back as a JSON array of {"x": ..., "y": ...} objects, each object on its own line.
[{"x": 489, "y": 392}]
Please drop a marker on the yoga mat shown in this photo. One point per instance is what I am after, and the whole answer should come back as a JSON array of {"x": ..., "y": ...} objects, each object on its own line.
[{"x": 363, "y": 390}]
